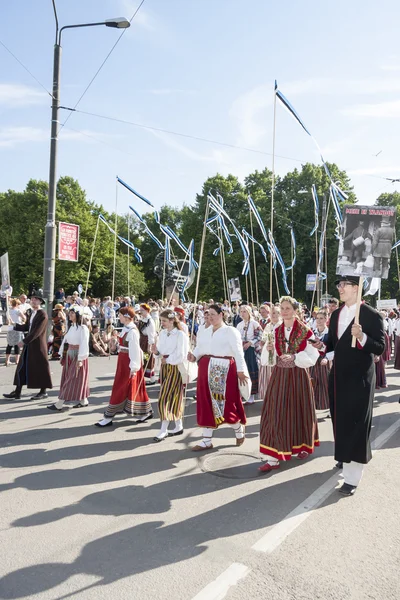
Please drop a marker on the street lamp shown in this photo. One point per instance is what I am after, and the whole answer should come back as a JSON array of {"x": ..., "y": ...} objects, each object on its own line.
[{"x": 50, "y": 229}]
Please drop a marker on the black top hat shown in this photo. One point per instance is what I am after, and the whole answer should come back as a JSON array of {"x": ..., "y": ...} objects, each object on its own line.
[
  {"x": 37, "y": 295},
  {"x": 348, "y": 279}
]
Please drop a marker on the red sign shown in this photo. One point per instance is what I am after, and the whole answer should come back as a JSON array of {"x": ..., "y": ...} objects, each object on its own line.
[{"x": 68, "y": 241}]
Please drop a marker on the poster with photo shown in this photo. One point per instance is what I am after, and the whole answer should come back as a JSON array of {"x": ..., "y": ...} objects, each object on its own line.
[
  {"x": 366, "y": 240},
  {"x": 234, "y": 289}
]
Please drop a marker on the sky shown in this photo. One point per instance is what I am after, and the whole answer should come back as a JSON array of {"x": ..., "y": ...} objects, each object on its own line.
[{"x": 203, "y": 68}]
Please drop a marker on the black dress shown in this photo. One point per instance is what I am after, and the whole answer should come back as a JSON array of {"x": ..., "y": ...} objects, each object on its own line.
[
  {"x": 352, "y": 385},
  {"x": 33, "y": 368}
]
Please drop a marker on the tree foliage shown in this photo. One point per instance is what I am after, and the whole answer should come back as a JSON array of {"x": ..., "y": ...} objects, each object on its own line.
[{"x": 24, "y": 214}]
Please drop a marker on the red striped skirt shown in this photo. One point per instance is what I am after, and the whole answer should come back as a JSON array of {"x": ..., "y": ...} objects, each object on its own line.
[
  {"x": 74, "y": 382},
  {"x": 233, "y": 407},
  {"x": 128, "y": 394},
  {"x": 263, "y": 380},
  {"x": 320, "y": 375},
  {"x": 288, "y": 421}
]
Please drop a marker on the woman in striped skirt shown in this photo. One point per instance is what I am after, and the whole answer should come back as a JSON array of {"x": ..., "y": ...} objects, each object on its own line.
[
  {"x": 172, "y": 345},
  {"x": 74, "y": 385},
  {"x": 288, "y": 420},
  {"x": 128, "y": 394},
  {"x": 320, "y": 371}
]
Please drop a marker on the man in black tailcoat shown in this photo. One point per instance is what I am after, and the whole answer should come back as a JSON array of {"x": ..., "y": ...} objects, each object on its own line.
[
  {"x": 352, "y": 380},
  {"x": 33, "y": 368}
]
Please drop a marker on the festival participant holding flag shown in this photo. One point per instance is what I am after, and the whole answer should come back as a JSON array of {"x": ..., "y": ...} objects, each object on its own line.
[
  {"x": 352, "y": 380},
  {"x": 172, "y": 345},
  {"x": 148, "y": 336},
  {"x": 129, "y": 389},
  {"x": 288, "y": 421},
  {"x": 222, "y": 368}
]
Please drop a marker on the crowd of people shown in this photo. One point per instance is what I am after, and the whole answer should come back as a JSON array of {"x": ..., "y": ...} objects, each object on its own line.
[{"x": 293, "y": 360}]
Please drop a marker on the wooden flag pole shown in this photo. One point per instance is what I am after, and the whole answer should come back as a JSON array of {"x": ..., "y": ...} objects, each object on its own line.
[
  {"x": 272, "y": 198},
  {"x": 357, "y": 316}
]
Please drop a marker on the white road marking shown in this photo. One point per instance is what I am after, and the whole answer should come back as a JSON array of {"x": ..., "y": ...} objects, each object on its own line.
[
  {"x": 218, "y": 589},
  {"x": 271, "y": 540}
]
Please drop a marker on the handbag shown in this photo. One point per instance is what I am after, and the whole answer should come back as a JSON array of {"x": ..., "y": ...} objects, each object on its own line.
[
  {"x": 245, "y": 388},
  {"x": 358, "y": 241},
  {"x": 188, "y": 371}
]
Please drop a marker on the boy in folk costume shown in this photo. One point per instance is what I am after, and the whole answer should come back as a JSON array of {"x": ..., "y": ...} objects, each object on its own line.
[{"x": 352, "y": 380}]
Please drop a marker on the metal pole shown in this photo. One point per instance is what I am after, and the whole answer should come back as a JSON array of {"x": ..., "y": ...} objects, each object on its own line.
[
  {"x": 129, "y": 222},
  {"x": 50, "y": 229},
  {"x": 291, "y": 258},
  {"x": 115, "y": 240}
]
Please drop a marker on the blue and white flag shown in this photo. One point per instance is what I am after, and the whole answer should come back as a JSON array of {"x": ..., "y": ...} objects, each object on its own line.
[
  {"x": 151, "y": 234},
  {"x": 290, "y": 108},
  {"x": 278, "y": 257},
  {"x": 251, "y": 238},
  {"x": 316, "y": 208},
  {"x": 257, "y": 215},
  {"x": 217, "y": 208},
  {"x": 128, "y": 187},
  {"x": 123, "y": 240},
  {"x": 294, "y": 249},
  {"x": 338, "y": 212},
  {"x": 171, "y": 235},
  {"x": 168, "y": 259}
]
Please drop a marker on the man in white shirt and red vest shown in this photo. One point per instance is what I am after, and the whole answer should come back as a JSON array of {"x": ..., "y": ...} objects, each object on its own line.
[
  {"x": 33, "y": 368},
  {"x": 352, "y": 380}
]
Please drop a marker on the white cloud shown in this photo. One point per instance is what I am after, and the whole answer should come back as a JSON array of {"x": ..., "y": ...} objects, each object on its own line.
[
  {"x": 379, "y": 110},
  {"x": 171, "y": 91},
  {"x": 388, "y": 170},
  {"x": 12, "y": 136},
  {"x": 16, "y": 94},
  {"x": 143, "y": 18}
]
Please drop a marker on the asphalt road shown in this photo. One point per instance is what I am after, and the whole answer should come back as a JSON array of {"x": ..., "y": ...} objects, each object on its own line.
[{"x": 93, "y": 514}]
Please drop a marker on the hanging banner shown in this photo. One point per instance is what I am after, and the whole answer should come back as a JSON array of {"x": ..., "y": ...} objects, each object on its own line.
[
  {"x": 366, "y": 240},
  {"x": 234, "y": 289},
  {"x": 5, "y": 271},
  {"x": 311, "y": 281},
  {"x": 68, "y": 242}
]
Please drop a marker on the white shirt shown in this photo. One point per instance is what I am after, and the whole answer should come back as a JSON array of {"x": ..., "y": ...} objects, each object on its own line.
[
  {"x": 77, "y": 336},
  {"x": 174, "y": 344},
  {"x": 33, "y": 315},
  {"x": 185, "y": 328},
  {"x": 135, "y": 353},
  {"x": 24, "y": 307},
  {"x": 150, "y": 330},
  {"x": 225, "y": 341},
  {"x": 397, "y": 327},
  {"x": 347, "y": 314},
  {"x": 251, "y": 336}
]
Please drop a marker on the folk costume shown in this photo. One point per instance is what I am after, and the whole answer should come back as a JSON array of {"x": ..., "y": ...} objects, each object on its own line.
[
  {"x": 58, "y": 331},
  {"x": 251, "y": 331},
  {"x": 288, "y": 421},
  {"x": 129, "y": 393},
  {"x": 33, "y": 367},
  {"x": 380, "y": 361},
  {"x": 352, "y": 386},
  {"x": 320, "y": 375},
  {"x": 147, "y": 329},
  {"x": 220, "y": 356},
  {"x": 265, "y": 370},
  {"x": 173, "y": 346},
  {"x": 74, "y": 386}
]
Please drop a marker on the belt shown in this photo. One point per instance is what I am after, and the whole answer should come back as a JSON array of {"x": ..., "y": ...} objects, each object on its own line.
[{"x": 73, "y": 346}]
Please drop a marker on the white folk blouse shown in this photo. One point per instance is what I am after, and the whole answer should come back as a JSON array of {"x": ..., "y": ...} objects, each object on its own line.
[
  {"x": 225, "y": 341},
  {"x": 134, "y": 351},
  {"x": 77, "y": 335},
  {"x": 174, "y": 344}
]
